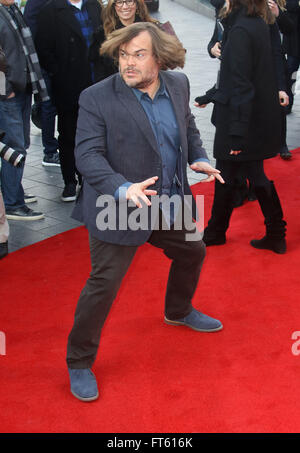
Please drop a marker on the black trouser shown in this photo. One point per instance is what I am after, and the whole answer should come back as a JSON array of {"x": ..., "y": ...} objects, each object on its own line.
[
  {"x": 252, "y": 170},
  {"x": 66, "y": 126},
  {"x": 110, "y": 263}
]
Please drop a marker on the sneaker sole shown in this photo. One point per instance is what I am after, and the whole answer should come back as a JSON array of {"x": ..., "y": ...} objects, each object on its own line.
[
  {"x": 68, "y": 198},
  {"x": 46, "y": 164},
  {"x": 87, "y": 400},
  {"x": 30, "y": 200},
  {"x": 18, "y": 217},
  {"x": 179, "y": 323}
]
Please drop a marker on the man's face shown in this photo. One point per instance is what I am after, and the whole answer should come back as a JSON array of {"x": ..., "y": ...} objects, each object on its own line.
[
  {"x": 7, "y": 2},
  {"x": 137, "y": 65}
]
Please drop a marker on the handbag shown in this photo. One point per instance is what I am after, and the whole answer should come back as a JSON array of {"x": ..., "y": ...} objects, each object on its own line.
[{"x": 167, "y": 27}]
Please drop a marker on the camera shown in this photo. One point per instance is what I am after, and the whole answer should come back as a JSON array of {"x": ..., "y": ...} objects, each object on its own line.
[{"x": 11, "y": 156}]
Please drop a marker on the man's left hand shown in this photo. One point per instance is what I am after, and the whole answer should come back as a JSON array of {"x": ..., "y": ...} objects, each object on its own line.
[{"x": 212, "y": 172}]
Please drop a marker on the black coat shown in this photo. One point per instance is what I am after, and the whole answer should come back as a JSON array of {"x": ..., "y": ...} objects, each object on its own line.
[
  {"x": 291, "y": 38},
  {"x": 246, "y": 111},
  {"x": 63, "y": 52}
]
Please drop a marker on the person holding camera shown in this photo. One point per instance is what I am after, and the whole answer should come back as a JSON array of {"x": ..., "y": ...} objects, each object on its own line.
[{"x": 22, "y": 78}]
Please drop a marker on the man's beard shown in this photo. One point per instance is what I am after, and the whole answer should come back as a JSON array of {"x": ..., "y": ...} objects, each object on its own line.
[{"x": 144, "y": 83}]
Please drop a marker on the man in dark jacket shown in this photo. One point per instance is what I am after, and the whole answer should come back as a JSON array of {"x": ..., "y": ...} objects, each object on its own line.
[
  {"x": 122, "y": 148},
  {"x": 47, "y": 109},
  {"x": 23, "y": 76},
  {"x": 64, "y": 40}
]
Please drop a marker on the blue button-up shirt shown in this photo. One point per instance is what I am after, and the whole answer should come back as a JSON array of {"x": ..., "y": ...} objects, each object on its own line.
[
  {"x": 163, "y": 121},
  {"x": 161, "y": 116}
]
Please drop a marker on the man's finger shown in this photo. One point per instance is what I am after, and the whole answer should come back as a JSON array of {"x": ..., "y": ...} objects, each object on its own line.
[
  {"x": 150, "y": 192},
  {"x": 135, "y": 200},
  {"x": 149, "y": 182},
  {"x": 208, "y": 179},
  {"x": 136, "y": 197},
  {"x": 219, "y": 178}
]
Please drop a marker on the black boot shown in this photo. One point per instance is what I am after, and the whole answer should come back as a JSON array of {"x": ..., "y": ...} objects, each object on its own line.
[
  {"x": 214, "y": 233},
  {"x": 275, "y": 225},
  {"x": 240, "y": 194},
  {"x": 3, "y": 249},
  {"x": 251, "y": 193}
]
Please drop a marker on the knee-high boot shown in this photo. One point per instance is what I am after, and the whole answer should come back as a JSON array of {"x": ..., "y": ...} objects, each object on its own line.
[
  {"x": 215, "y": 232},
  {"x": 269, "y": 202}
]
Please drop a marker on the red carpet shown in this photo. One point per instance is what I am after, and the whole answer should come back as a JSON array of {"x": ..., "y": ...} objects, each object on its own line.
[{"x": 154, "y": 377}]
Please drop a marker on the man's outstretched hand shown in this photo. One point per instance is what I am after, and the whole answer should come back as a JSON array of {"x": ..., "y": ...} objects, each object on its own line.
[
  {"x": 139, "y": 191},
  {"x": 212, "y": 173}
]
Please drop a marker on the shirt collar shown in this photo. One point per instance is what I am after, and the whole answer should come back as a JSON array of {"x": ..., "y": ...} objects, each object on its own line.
[
  {"x": 160, "y": 92},
  {"x": 72, "y": 4}
]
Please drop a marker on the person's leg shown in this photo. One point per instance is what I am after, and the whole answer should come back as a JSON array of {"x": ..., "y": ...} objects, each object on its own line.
[
  {"x": 270, "y": 205},
  {"x": 292, "y": 68},
  {"x": 4, "y": 230},
  {"x": 187, "y": 258},
  {"x": 12, "y": 122},
  {"x": 284, "y": 151},
  {"x": 223, "y": 204},
  {"x": 109, "y": 265},
  {"x": 48, "y": 115},
  {"x": 15, "y": 121},
  {"x": 67, "y": 123}
]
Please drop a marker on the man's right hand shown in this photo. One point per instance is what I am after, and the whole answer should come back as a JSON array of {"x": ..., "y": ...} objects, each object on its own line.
[
  {"x": 139, "y": 191},
  {"x": 12, "y": 95}
]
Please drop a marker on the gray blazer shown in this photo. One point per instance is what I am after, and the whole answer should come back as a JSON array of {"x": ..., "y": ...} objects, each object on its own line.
[
  {"x": 16, "y": 66},
  {"x": 115, "y": 144}
]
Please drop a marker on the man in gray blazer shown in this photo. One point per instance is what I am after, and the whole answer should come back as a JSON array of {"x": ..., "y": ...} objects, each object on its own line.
[{"x": 135, "y": 137}]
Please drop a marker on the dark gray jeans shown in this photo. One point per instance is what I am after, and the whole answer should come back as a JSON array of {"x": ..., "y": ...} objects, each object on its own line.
[{"x": 110, "y": 263}]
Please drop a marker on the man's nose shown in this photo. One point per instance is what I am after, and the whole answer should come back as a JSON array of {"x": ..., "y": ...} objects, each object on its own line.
[{"x": 131, "y": 60}]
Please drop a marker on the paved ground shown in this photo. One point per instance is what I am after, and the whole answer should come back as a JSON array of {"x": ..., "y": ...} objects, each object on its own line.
[{"x": 194, "y": 30}]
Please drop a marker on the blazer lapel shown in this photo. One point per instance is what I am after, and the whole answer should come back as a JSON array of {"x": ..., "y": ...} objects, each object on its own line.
[
  {"x": 130, "y": 102},
  {"x": 177, "y": 102}
]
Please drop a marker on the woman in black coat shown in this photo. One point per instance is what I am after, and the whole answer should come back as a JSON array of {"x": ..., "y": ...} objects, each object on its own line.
[{"x": 247, "y": 119}]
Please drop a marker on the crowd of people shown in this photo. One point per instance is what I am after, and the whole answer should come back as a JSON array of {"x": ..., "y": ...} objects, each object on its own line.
[
  {"x": 132, "y": 137},
  {"x": 62, "y": 39}
]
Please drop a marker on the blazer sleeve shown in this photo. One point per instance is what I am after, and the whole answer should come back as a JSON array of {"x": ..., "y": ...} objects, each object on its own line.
[
  {"x": 91, "y": 150},
  {"x": 196, "y": 150}
]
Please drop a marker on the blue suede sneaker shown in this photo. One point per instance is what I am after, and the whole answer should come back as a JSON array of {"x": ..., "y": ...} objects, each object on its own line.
[
  {"x": 83, "y": 384},
  {"x": 197, "y": 321}
]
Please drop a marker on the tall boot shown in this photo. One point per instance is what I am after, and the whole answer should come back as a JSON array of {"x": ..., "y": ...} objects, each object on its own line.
[
  {"x": 275, "y": 225},
  {"x": 251, "y": 192},
  {"x": 215, "y": 232},
  {"x": 240, "y": 193}
]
